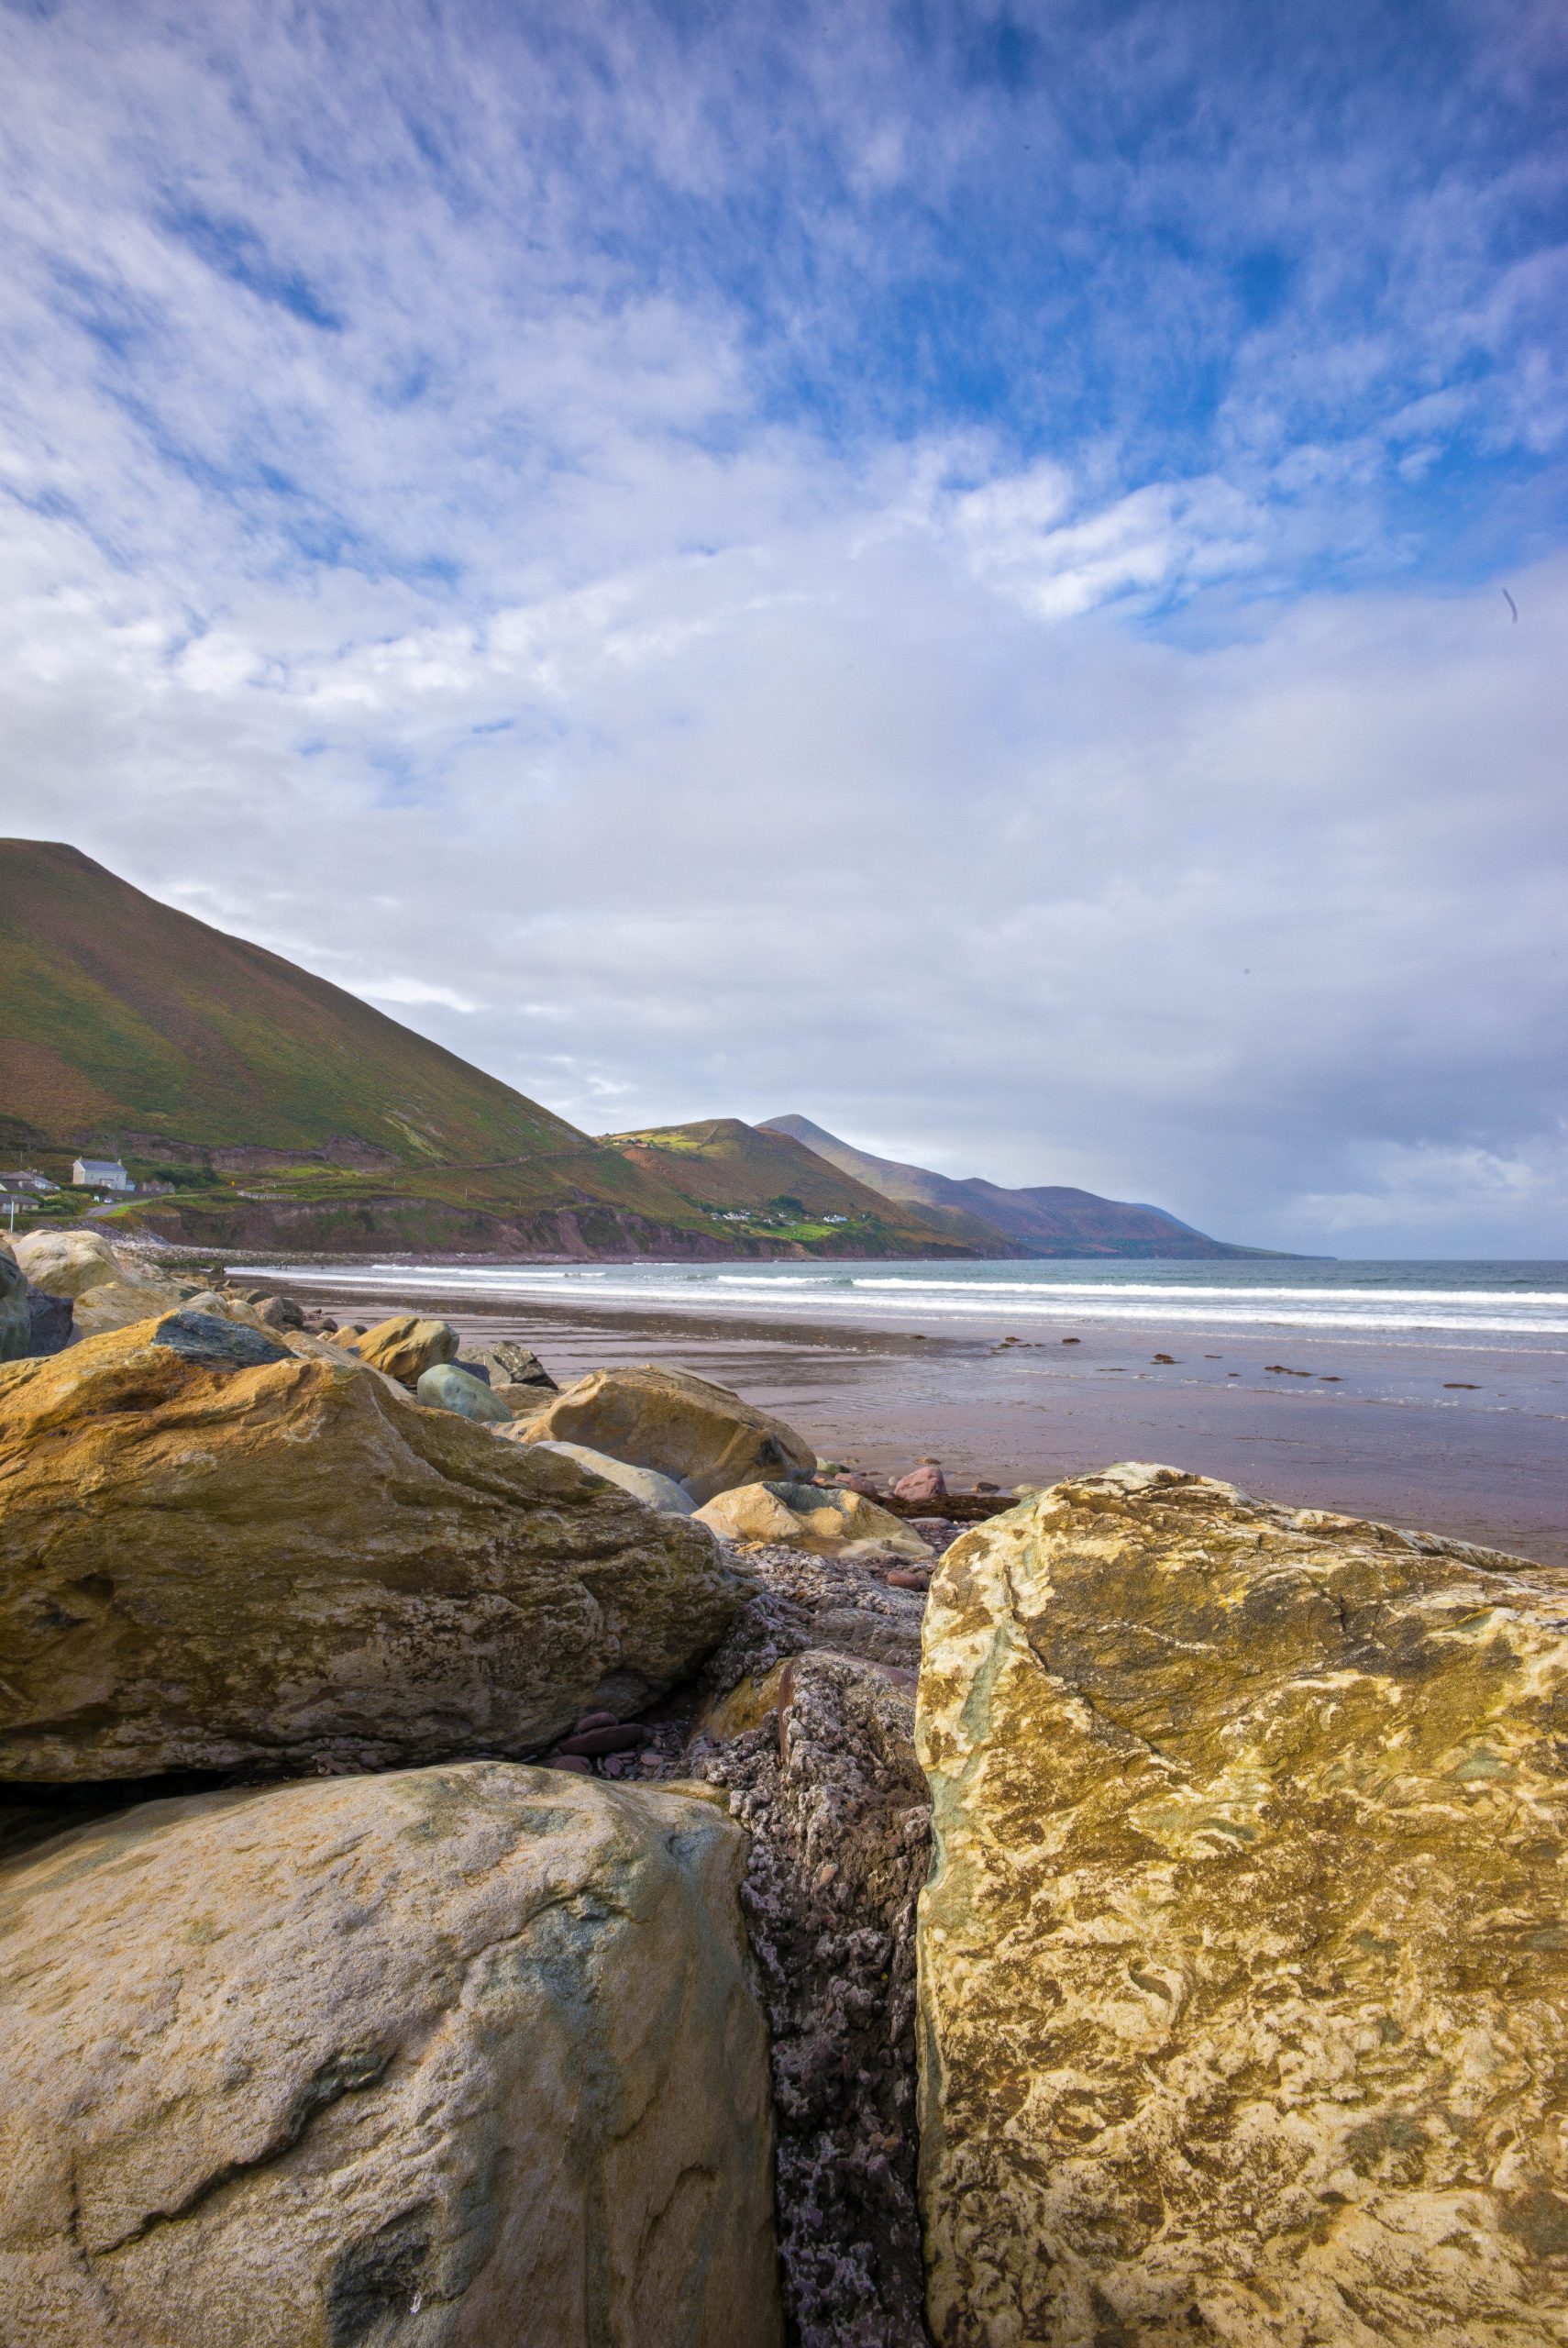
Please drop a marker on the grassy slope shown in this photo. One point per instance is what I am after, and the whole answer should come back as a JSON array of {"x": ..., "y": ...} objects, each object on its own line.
[
  {"x": 722, "y": 1164},
  {"x": 129, "y": 1029},
  {"x": 126, "y": 1025}
]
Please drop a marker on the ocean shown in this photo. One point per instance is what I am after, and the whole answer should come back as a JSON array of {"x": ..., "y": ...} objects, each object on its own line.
[
  {"x": 1507, "y": 1303},
  {"x": 1425, "y": 1393}
]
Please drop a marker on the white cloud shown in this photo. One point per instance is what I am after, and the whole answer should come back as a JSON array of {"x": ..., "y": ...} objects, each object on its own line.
[{"x": 1050, "y": 808}]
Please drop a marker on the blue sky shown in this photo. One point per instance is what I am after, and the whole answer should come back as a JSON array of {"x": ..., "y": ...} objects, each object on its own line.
[{"x": 939, "y": 566}]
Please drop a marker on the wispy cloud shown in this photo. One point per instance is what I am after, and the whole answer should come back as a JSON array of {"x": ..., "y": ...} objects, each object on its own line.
[{"x": 951, "y": 582}]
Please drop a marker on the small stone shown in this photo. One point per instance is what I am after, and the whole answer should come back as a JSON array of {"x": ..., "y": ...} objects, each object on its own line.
[
  {"x": 595, "y": 1720},
  {"x": 925, "y": 1483},
  {"x": 595, "y": 1741},
  {"x": 902, "y": 1578},
  {"x": 572, "y": 1761},
  {"x": 281, "y": 1313}
]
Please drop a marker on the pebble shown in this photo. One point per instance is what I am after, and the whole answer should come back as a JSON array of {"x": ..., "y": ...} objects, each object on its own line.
[
  {"x": 568, "y": 1761},
  {"x": 901, "y": 1578},
  {"x": 611, "y": 1739}
]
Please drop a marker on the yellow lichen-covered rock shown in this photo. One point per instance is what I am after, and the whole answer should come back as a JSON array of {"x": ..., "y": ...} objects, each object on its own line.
[
  {"x": 829, "y": 1522},
  {"x": 406, "y": 1346},
  {"x": 699, "y": 1434},
  {"x": 1243, "y": 1963},
  {"x": 120, "y": 1304},
  {"x": 219, "y": 1550},
  {"x": 461, "y": 2055}
]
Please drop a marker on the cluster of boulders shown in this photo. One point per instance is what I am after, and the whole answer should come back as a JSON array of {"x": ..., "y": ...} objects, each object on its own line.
[{"x": 544, "y": 1870}]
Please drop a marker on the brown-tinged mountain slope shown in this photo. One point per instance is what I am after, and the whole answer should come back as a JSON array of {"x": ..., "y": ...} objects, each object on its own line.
[
  {"x": 1043, "y": 1220},
  {"x": 776, "y": 1184},
  {"x": 286, "y": 1111}
]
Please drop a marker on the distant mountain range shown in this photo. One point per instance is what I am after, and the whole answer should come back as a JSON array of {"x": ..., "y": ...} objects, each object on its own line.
[
  {"x": 1047, "y": 1219},
  {"x": 277, "y": 1111}
]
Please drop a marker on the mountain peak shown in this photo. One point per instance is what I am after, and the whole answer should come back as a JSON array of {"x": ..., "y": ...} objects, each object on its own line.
[{"x": 1047, "y": 1220}]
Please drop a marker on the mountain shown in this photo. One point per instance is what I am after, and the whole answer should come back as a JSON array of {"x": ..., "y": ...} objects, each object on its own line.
[
  {"x": 772, "y": 1184},
  {"x": 284, "y": 1111},
  {"x": 1047, "y": 1220}
]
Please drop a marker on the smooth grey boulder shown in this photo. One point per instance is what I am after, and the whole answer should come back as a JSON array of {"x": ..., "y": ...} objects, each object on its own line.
[
  {"x": 645, "y": 1484},
  {"x": 15, "y": 1312},
  {"x": 216, "y": 1344},
  {"x": 449, "y": 2059},
  {"x": 448, "y": 1388},
  {"x": 49, "y": 1322}
]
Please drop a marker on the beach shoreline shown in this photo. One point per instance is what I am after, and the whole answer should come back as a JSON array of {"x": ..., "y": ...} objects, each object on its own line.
[{"x": 1462, "y": 1438}]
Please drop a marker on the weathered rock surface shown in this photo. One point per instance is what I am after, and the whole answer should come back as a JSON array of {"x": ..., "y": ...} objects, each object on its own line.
[
  {"x": 67, "y": 1263},
  {"x": 448, "y": 1388},
  {"x": 801, "y": 1602},
  {"x": 16, "y": 1312},
  {"x": 121, "y": 1303},
  {"x": 645, "y": 1484},
  {"x": 510, "y": 1364},
  {"x": 1244, "y": 1964},
  {"x": 406, "y": 1346},
  {"x": 455, "y": 2057},
  {"x": 209, "y": 1564},
  {"x": 49, "y": 1324},
  {"x": 697, "y": 1434},
  {"x": 830, "y": 1793},
  {"x": 826, "y": 1519}
]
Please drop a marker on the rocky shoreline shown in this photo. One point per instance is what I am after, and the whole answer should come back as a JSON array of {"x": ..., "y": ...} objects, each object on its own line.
[{"x": 471, "y": 1874}]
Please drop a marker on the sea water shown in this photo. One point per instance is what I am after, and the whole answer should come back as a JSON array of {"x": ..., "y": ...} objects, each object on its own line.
[{"x": 1499, "y": 1304}]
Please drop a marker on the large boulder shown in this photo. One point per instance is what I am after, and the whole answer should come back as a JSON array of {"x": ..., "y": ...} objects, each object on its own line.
[
  {"x": 458, "y": 2055},
  {"x": 15, "y": 1310},
  {"x": 1244, "y": 1964},
  {"x": 67, "y": 1263},
  {"x": 697, "y": 1434},
  {"x": 121, "y": 1303},
  {"x": 831, "y": 1521},
  {"x": 226, "y": 1546},
  {"x": 406, "y": 1346}
]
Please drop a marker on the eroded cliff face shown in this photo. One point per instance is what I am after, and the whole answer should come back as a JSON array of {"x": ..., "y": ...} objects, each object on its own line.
[{"x": 1243, "y": 1966}]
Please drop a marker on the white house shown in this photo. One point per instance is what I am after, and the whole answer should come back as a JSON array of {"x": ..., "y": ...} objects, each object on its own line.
[{"x": 100, "y": 1174}]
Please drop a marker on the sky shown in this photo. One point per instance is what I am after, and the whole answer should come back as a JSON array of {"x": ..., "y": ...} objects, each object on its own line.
[{"x": 948, "y": 567}]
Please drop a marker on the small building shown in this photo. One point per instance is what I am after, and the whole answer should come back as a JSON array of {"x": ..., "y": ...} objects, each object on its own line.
[
  {"x": 25, "y": 1178},
  {"x": 100, "y": 1174}
]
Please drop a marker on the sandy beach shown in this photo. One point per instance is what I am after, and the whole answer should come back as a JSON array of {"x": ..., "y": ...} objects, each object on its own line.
[{"x": 1463, "y": 1439}]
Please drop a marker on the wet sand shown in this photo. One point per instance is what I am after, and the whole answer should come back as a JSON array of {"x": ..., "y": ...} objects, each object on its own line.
[{"x": 1463, "y": 1440}]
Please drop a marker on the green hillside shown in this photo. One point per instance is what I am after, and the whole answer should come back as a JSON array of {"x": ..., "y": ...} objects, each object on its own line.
[
  {"x": 781, "y": 1189},
  {"x": 286, "y": 1111},
  {"x": 121, "y": 1015}
]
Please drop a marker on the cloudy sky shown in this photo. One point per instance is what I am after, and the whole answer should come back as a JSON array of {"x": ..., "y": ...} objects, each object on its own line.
[{"x": 939, "y": 565}]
